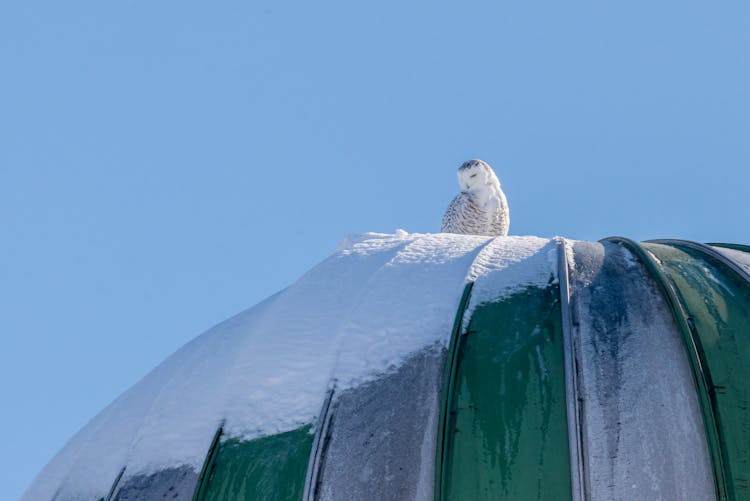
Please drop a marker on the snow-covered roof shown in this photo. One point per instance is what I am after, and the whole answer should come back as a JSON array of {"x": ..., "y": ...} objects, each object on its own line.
[{"x": 366, "y": 315}]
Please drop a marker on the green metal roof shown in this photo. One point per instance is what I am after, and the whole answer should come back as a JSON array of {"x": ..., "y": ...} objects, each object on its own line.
[{"x": 609, "y": 370}]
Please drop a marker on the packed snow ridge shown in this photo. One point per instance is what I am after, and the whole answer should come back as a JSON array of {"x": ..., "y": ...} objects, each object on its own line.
[{"x": 355, "y": 316}]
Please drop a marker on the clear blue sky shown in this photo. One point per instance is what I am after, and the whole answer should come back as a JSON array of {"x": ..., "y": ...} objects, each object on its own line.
[{"x": 165, "y": 164}]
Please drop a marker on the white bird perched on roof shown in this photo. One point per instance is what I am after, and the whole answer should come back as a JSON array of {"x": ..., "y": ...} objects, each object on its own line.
[{"x": 481, "y": 207}]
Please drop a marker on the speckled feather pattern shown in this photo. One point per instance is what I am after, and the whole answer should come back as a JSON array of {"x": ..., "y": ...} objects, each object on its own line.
[
  {"x": 465, "y": 216},
  {"x": 481, "y": 207}
]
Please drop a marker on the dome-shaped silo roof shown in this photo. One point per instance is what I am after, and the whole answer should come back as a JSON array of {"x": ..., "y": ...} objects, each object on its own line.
[{"x": 439, "y": 366}]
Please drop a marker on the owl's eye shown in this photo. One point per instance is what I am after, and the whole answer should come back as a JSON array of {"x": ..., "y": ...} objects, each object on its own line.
[{"x": 474, "y": 175}]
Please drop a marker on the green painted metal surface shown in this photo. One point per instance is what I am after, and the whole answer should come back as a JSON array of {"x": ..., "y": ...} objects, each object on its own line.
[
  {"x": 506, "y": 433},
  {"x": 270, "y": 468},
  {"x": 717, "y": 302}
]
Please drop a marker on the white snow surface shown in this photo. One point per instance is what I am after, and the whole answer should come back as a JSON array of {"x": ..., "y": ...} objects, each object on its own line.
[
  {"x": 355, "y": 316},
  {"x": 508, "y": 265}
]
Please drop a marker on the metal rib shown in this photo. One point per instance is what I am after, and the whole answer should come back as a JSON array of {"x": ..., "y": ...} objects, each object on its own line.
[
  {"x": 448, "y": 381},
  {"x": 113, "y": 490},
  {"x": 572, "y": 390},
  {"x": 316, "y": 453},
  {"x": 739, "y": 247},
  {"x": 707, "y": 249},
  {"x": 202, "y": 484}
]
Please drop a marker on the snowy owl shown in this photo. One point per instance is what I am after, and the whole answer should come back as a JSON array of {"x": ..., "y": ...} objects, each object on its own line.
[{"x": 481, "y": 207}]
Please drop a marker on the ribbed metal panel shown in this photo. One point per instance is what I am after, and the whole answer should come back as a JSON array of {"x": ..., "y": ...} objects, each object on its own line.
[
  {"x": 380, "y": 442},
  {"x": 506, "y": 434},
  {"x": 642, "y": 425},
  {"x": 270, "y": 468},
  {"x": 717, "y": 300},
  {"x": 169, "y": 483},
  {"x": 574, "y": 370}
]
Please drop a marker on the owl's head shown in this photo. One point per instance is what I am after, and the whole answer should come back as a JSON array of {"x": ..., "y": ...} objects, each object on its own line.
[{"x": 477, "y": 176}]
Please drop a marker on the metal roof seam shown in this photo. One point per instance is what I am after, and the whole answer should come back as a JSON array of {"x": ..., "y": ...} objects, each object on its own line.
[
  {"x": 448, "y": 380},
  {"x": 572, "y": 392},
  {"x": 318, "y": 447}
]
